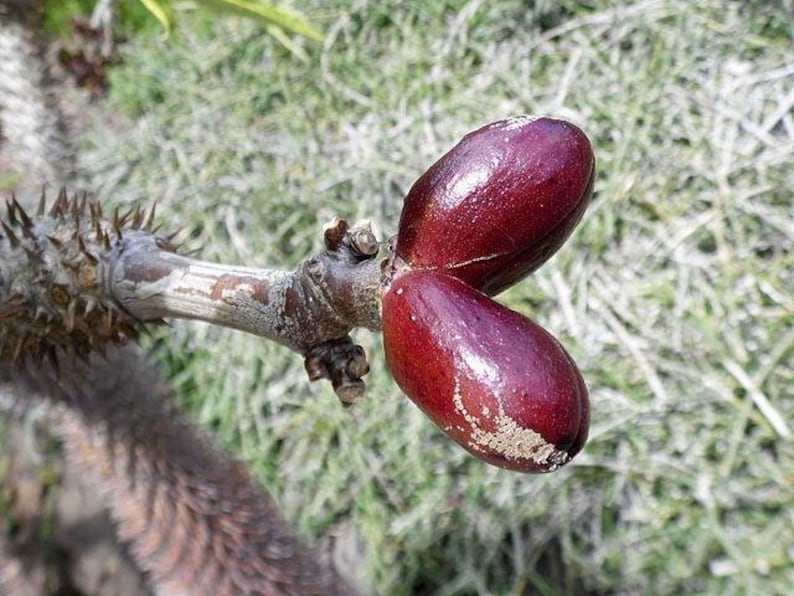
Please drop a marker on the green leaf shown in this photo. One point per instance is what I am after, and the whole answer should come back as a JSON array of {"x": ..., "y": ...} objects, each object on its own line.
[
  {"x": 278, "y": 34},
  {"x": 161, "y": 13},
  {"x": 286, "y": 18}
]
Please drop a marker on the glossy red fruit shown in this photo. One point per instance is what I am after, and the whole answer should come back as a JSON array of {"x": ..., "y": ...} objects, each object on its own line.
[
  {"x": 499, "y": 203},
  {"x": 494, "y": 381}
]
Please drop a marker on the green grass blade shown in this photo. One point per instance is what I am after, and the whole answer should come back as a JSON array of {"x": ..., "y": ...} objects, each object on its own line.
[
  {"x": 160, "y": 12},
  {"x": 278, "y": 34},
  {"x": 287, "y": 19}
]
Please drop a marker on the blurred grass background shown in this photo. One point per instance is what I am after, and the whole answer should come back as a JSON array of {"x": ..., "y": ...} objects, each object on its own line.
[{"x": 675, "y": 295}]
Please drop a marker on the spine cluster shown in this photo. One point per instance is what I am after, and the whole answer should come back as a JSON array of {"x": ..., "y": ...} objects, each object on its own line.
[{"x": 54, "y": 270}]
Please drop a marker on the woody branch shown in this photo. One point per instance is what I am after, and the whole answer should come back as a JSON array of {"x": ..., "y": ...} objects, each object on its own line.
[
  {"x": 310, "y": 310},
  {"x": 83, "y": 280}
]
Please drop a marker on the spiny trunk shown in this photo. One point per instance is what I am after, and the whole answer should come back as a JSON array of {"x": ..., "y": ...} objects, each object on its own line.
[
  {"x": 195, "y": 519},
  {"x": 30, "y": 121}
]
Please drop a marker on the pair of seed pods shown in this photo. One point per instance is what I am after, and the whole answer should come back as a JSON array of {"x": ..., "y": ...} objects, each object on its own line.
[{"x": 485, "y": 215}]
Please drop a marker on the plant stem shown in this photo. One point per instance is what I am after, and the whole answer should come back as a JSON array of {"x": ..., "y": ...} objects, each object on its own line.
[
  {"x": 72, "y": 279},
  {"x": 299, "y": 309},
  {"x": 310, "y": 310},
  {"x": 194, "y": 517}
]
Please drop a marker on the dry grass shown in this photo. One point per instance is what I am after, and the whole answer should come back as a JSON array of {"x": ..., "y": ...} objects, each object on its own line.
[{"x": 676, "y": 295}]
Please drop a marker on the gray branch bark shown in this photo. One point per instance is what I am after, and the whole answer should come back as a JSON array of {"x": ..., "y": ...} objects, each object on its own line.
[{"x": 311, "y": 310}]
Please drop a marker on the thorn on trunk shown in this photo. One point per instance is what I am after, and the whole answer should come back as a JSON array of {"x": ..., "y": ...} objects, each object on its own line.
[
  {"x": 137, "y": 217},
  {"x": 27, "y": 223},
  {"x": 42, "y": 203},
  {"x": 60, "y": 205},
  {"x": 150, "y": 219},
  {"x": 55, "y": 241},
  {"x": 12, "y": 238}
]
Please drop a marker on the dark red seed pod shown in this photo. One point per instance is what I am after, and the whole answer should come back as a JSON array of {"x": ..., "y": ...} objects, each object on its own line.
[
  {"x": 499, "y": 203},
  {"x": 494, "y": 381}
]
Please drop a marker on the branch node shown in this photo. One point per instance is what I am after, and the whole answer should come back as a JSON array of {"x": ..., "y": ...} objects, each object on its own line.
[
  {"x": 344, "y": 363},
  {"x": 334, "y": 232},
  {"x": 361, "y": 240}
]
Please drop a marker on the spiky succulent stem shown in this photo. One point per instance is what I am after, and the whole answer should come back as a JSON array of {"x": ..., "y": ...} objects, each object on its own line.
[
  {"x": 195, "y": 519},
  {"x": 53, "y": 278},
  {"x": 74, "y": 280},
  {"x": 30, "y": 121},
  {"x": 74, "y": 284}
]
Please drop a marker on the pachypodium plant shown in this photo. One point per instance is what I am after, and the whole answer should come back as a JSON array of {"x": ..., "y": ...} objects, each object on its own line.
[{"x": 485, "y": 215}]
